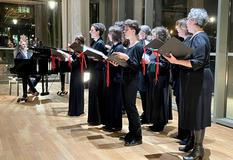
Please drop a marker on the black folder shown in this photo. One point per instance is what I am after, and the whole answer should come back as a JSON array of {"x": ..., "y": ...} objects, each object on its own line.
[
  {"x": 76, "y": 47},
  {"x": 176, "y": 47},
  {"x": 154, "y": 44},
  {"x": 93, "y": 53},
  {"x": 121, "y": 62}
]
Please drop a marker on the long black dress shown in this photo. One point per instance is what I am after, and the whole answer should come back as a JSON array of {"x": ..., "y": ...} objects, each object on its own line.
[
  {"x": 182, "y": 133},
  {"x": 158, "y": 94},
  {"x": 130, "y": 76},
  {"x": 196, "y": 86},
  {"x": 76, "y": 97},
  {"x": 113, "y": 95},
  {"x": 96, "y": 86}
]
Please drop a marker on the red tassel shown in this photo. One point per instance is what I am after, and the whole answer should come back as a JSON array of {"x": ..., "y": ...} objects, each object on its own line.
[
  {"x": 143, "y": 62},
  {"x": 156, "y": 53},
  {"x": 107, "y": 75},
  {"x": 53, "y": 63},
  {"x": 83, "y": 61}
]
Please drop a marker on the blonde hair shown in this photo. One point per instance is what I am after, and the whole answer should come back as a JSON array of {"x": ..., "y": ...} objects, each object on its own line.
[{"x": 23, "y": 38}]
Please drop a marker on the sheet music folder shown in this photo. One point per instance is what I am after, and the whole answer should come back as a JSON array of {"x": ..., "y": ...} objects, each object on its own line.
[
  {"x": 154, "y": 44},
  {"x": 176, "y": 47},
  {"x": 93, "y": 53},
  {"x": 113, "y": 57},
  {"x": 76, "y": 47}
]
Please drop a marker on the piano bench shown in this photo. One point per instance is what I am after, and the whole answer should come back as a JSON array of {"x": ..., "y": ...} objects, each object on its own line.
[{"x": 14, "y": 80}]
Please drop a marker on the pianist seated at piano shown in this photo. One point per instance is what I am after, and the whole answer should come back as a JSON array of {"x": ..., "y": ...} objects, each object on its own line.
[{"x": 23, "y": 53}]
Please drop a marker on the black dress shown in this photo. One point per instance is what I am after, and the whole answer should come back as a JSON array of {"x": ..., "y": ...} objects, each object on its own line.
[
  {"x": 113, "y": 95},
  {"x": 196, "y": 86},
  {"x": 182, "y": 133},
  {"x": 76, "y": 97},
  {"x": 130, "y": 76},
  {"x": 158, "y": 94},
  {"x": 96, "y": 86}
]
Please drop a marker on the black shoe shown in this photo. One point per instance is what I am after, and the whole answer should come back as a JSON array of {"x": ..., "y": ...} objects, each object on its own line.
[
  {"x": 179, "y": 137},
  {"x": 156, "y": 128},
  {"x": 29, "y": 91},
  {"x": 22, "y": 100},
  {"x": 106, "y": 128},
  {"x": 133, "y": 142},
  {"x": 35, "y": 93},
  {"x": 115, "y": 129},
  {"x": 126, "y": 137},
  {"x": 184, "y": 141},
  {"x": 188, "y": 146},
  {"x": 143, "y": 121},
  {"x": 122, "y": 138},
  {"x": 93, "y": 123},
  {"x": 110, "y": 129},
  {"x": 196, "y": 154}
]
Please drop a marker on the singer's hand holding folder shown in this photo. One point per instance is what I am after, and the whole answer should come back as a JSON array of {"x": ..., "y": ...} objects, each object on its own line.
[
  {"x": 113, "y": 57},
  {"x": 176, "y": 48}
]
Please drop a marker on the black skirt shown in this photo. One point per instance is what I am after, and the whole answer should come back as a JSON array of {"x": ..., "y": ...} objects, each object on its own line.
[
  {"x": 195, "y": 100},
  {"x": 76, "y": 97}
]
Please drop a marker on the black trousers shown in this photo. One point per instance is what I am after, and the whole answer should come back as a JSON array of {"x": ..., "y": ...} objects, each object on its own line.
[
  {"x": 143, "y": 99},
  {"x": 27, "y": 81},
  {"x": 62, "y": 78},
  {"x": 129, "y": 96}
]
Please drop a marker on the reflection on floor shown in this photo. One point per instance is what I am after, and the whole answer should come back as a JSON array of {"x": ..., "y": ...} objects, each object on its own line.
[{"x": 41, "y": 129}]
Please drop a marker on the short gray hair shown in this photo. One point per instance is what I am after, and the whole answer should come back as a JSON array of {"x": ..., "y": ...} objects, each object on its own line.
[
  {"x": 199, "y": 15},
  {"x": 146, "y": 29},
  {"x": 161, "y": 33}
]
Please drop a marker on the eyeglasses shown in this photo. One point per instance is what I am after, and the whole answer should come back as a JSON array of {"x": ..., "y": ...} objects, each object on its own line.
[{"x": 190, "y": 19}]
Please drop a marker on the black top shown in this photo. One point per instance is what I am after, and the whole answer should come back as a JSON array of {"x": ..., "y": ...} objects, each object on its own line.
[
  {"x": 100, "y": 46},
  {"x": 135, "y": 55},
  {"x": 116, "y": 72},
  {"x": 200, "y": 57}
]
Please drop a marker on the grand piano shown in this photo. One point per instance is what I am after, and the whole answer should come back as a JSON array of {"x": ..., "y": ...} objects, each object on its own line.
[{"x": 43, "y": 63}]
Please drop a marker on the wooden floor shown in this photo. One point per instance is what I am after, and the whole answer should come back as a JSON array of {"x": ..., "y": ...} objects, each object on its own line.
[{"x": 41, "y": 130}]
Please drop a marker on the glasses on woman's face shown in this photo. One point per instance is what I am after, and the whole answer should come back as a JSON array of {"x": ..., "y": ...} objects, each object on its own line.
[{"x": 190, "y": 20}]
